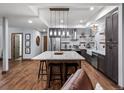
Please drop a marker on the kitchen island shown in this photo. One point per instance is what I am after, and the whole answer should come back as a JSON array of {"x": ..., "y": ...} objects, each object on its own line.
[{"x": 65, "y": 57}]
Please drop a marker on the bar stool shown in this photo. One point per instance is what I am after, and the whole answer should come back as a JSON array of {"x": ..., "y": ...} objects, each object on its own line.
[
  {"x": 55, "y": 74},
  {"x": 67, "y": 67},
  {"x": 42, "y": 70}
]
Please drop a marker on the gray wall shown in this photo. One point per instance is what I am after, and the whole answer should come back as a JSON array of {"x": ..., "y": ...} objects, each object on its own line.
[{"x": 35, "y": 50}]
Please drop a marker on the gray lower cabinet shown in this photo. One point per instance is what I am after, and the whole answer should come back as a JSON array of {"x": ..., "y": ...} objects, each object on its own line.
[{"x": 101, "y": 63}]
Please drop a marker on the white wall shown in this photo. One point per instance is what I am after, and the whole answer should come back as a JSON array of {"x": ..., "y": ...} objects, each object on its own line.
[
  {"x": 104, "y": 11},
  {"x": 35, "y": 50},
  {"x": 121, "y": 46},
  {"x": 98, "y": 37},
  {"x": 1, "y": 42}
]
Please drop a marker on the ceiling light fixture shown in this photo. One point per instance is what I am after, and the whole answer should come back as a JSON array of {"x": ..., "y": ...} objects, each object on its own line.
[
  {"x": 61, "y": 21},
  {"x": 30, "y": 21},
  {"x": 81, "y": 21},
  {"x": 44, "y": 30},
  {"x": 91, "y": 8}
]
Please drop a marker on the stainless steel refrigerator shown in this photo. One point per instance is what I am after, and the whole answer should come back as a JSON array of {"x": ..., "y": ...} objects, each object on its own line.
[{"x": 55, "y": 43}]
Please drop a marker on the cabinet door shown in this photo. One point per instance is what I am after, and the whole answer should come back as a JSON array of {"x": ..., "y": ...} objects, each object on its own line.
[
  {"x": 108, "y": 46},
  {"x": 112, "y": 46},
  {"x": 108, "y": 29},
  {"x": 115, "y": 46},
  {"x": 109, "y": 61},
  {"x": 115, "y": 28},
  {"x": 101, "y": 63},
  {"x": 115, "y": 63}
]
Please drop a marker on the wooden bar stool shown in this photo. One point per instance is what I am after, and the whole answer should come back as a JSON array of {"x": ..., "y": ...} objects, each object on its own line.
[
  {"x": 54, "y": 73},
  {"x": 42, "y": 70},
  {"x": 69, "y": 66}
]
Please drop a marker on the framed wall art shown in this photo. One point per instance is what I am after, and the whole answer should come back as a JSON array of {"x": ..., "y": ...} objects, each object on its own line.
[
  {"x": 27, "y": 36},
  {"x": 27, "y": 50},
  {"x": 27, "y": 43}
]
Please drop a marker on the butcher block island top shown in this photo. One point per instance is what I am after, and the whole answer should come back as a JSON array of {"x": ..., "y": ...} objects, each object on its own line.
[{"x": 53, "y": 55}]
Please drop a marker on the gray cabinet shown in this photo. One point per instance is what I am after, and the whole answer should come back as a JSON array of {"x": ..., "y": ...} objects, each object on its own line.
[
  {"x": 111, "y": 33},
  {"x": 101, "y": 63}
]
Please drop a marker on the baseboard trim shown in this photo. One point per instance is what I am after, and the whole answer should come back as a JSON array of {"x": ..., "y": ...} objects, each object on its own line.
[
  {"x": 4, "y": 72},
  {"x": 26, "y": 59},
  {"x": 2, "y": 59}
]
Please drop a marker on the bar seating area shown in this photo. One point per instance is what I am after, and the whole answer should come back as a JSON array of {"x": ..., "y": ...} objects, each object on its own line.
[{"x": 55, "y": 71}]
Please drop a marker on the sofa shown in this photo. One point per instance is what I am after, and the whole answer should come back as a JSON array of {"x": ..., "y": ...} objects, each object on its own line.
[
  {"x": 78, "y": 81},
  {"x": 81, "y": 80}
]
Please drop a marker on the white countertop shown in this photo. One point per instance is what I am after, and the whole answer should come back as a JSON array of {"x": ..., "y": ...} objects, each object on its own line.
[
  {"x": 99, "y": 52},
  {"x": 67, "y": 55},
  {"x": 89, "y": 51}
]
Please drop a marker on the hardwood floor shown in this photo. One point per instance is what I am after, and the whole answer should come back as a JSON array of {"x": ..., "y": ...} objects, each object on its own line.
[
  {"x": 96, "y": 76},
  {"x": 23, "y": 76},
  {"x": 0, "y": 65}
]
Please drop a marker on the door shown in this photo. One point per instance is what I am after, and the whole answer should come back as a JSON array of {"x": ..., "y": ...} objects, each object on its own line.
[
  {"x": 16, "y": 46},
  {"x": 45, "y": 43}
]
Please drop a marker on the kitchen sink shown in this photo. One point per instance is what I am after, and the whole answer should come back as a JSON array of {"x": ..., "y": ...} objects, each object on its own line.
[{"x": 89, "y": 51}]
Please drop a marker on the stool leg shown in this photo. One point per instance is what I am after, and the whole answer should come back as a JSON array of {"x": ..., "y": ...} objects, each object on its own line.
[
  {"x": 66, "y": 70},
  {"x": 42, "y": 66},
  {"x": 49, "y": 76},
  {"x": 61, "y": 74},
  {"x": 39, "y": 70},
  {"x": 46, "y": 67},
  {"x": 75, "y": 68}
]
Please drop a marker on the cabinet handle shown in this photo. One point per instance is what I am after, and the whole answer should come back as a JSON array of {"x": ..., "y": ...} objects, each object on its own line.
[
  {"x": 110, "y": 47},
  {"x": 114, "y": 42}
]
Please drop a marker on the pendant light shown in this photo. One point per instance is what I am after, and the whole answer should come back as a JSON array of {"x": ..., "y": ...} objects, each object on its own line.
[{"x": 56, "y": 20}]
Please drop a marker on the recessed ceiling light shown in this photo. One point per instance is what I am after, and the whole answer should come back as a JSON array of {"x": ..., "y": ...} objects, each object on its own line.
[
  {"x": 61, "y": 21},
  {"x": 81, "y": 21},
  {"x": 91, "y": 8},
  {"x": 44, "y": 30},
  {"x": 29, "y": 21}
]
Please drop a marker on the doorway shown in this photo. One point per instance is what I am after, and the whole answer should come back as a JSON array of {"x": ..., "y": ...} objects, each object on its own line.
[
  {"x": 45, "y": 43},
  {"x": 17, "y": 46}
]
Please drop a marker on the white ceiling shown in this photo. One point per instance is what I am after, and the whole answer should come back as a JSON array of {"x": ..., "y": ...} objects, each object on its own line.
[{"x": 19, "y": 14}]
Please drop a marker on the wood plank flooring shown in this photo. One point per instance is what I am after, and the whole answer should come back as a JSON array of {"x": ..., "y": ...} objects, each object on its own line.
[
  {"x": 23, "y": 76},
  {"x": 96, "y": 76}
]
